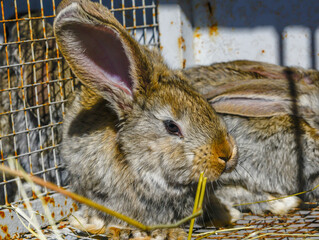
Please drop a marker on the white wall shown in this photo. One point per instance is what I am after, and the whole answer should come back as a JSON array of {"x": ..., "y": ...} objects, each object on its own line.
[{"x": 278, "y": 31}]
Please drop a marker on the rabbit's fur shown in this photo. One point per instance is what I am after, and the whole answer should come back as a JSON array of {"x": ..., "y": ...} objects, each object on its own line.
[
  {"x": 35, "y": 103},
  {"x": 273, "y": 114},
  {"x": 271, "y": 138},
  {"x": 136, "y": 135}
]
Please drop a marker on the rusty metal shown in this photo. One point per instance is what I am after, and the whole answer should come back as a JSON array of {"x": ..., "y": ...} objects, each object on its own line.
[{"x": 300, "y": 224}]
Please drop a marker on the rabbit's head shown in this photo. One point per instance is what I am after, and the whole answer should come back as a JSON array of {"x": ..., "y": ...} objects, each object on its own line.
[{"x": 165, "y": 129}]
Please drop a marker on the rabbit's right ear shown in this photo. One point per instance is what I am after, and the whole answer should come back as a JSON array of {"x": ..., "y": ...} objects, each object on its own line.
[
  {"x": 251, "y": 98},
  {"x": 100, "y": 52}
]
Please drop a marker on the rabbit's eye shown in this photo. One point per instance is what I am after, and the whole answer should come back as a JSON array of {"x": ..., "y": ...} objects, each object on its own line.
[{"x": 172, "y": 128}]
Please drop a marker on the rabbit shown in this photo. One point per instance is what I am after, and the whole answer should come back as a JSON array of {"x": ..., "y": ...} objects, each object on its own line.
[
  {"x": 136, "y": 135},
  {"x": 28, "y": 102},
  {"x": 273, "y": 114}
]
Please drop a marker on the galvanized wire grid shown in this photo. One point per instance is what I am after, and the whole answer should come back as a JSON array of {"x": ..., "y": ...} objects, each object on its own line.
[
  {"x": 35, "y": 83},
  {"x": 300, "y": 224}
]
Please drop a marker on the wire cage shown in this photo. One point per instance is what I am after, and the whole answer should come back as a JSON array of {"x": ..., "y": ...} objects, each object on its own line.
[
  {"x": 35, "y": 83},
  {"x": 300, "y": 224}
]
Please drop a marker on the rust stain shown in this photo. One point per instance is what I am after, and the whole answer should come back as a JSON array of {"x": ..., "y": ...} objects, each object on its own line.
[
  {"x": 42, "y": 218},
  {"x": 75, "y": 206},
  {"x": 2, "y": 214},
  {"x": 181, "y": 40},
  {"x": 62, "y": 213},
  {"x": 34, "y": 195},
  {"x": 52, "y": 214},
  {"x": 172, "y": 22},
  {"x": 213, "y": 26},
  {"x": 48, "y": 199},
  {"x": 184, "y": 63},
  {"x": 196, "y": 34},
  {"x": 65, "y": 202},
  {"x": 213, "y": 30},
  {"x": 63, "y": 225},
  {"x": 4, "y": 228},
  {"x": 24, "y": 205},
  {"x": 263, "y": 51}
]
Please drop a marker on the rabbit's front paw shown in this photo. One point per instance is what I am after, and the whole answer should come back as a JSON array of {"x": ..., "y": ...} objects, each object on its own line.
[
  {"x": 283, "y": 206},
  {"x": 91, "y": 224}
]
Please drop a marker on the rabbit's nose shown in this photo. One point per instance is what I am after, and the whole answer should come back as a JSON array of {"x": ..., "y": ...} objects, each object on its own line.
[{"x": 227, "y": 152}]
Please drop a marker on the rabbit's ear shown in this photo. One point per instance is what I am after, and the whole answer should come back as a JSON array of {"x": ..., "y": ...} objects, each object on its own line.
[
  {"x": 100, "y": 51},
  {"x": 266, "y": 70},
  {"x": 252, "y": 98}
]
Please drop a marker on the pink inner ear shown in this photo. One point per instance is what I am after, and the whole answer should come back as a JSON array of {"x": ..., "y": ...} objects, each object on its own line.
[{"x": 102, "y": 57}]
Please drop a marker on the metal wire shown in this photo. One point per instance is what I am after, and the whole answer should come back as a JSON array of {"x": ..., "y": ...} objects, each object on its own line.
[
  {"x": 34, "y": 89},
  {"x": 300, "y": 224}
]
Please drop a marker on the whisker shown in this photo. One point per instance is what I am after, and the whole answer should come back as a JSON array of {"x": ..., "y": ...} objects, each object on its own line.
[{"x": 239, "y": 165}]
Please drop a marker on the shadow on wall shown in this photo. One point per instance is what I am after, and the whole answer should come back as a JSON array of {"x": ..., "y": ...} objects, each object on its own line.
[
  {"x": 278, "y": 31},
  {"x": 294, "y": 24}
]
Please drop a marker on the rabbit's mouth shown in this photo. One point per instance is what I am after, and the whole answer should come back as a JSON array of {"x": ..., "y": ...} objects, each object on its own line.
[{"x": 215, "y": 159}]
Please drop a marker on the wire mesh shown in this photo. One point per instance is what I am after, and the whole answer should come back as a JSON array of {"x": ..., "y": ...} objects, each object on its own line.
[
  {"x": 300, "y": 224},
  {"x": 35, "y": 83},
  {"x": 303, "y": 223}
]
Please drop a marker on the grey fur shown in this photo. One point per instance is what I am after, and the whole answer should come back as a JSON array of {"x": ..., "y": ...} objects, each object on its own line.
[{"x": 279, "y": 154}]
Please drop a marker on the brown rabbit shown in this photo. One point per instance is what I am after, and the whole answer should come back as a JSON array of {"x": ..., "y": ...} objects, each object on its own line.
[
  {"x": 136, "y": 135},
  {"x": 273, "y": 114}
]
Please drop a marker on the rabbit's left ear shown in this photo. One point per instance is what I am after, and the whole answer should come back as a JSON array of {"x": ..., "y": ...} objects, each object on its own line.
[
  {"x": 101, "y": 53},
  {"x": 252, "y": 98}
]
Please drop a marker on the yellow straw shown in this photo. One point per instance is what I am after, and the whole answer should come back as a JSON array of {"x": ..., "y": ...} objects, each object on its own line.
[
  {"x": 196, "y": 203},
  {"x": 95, "y": 205},
  {"x": 202, "y": 193}
]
